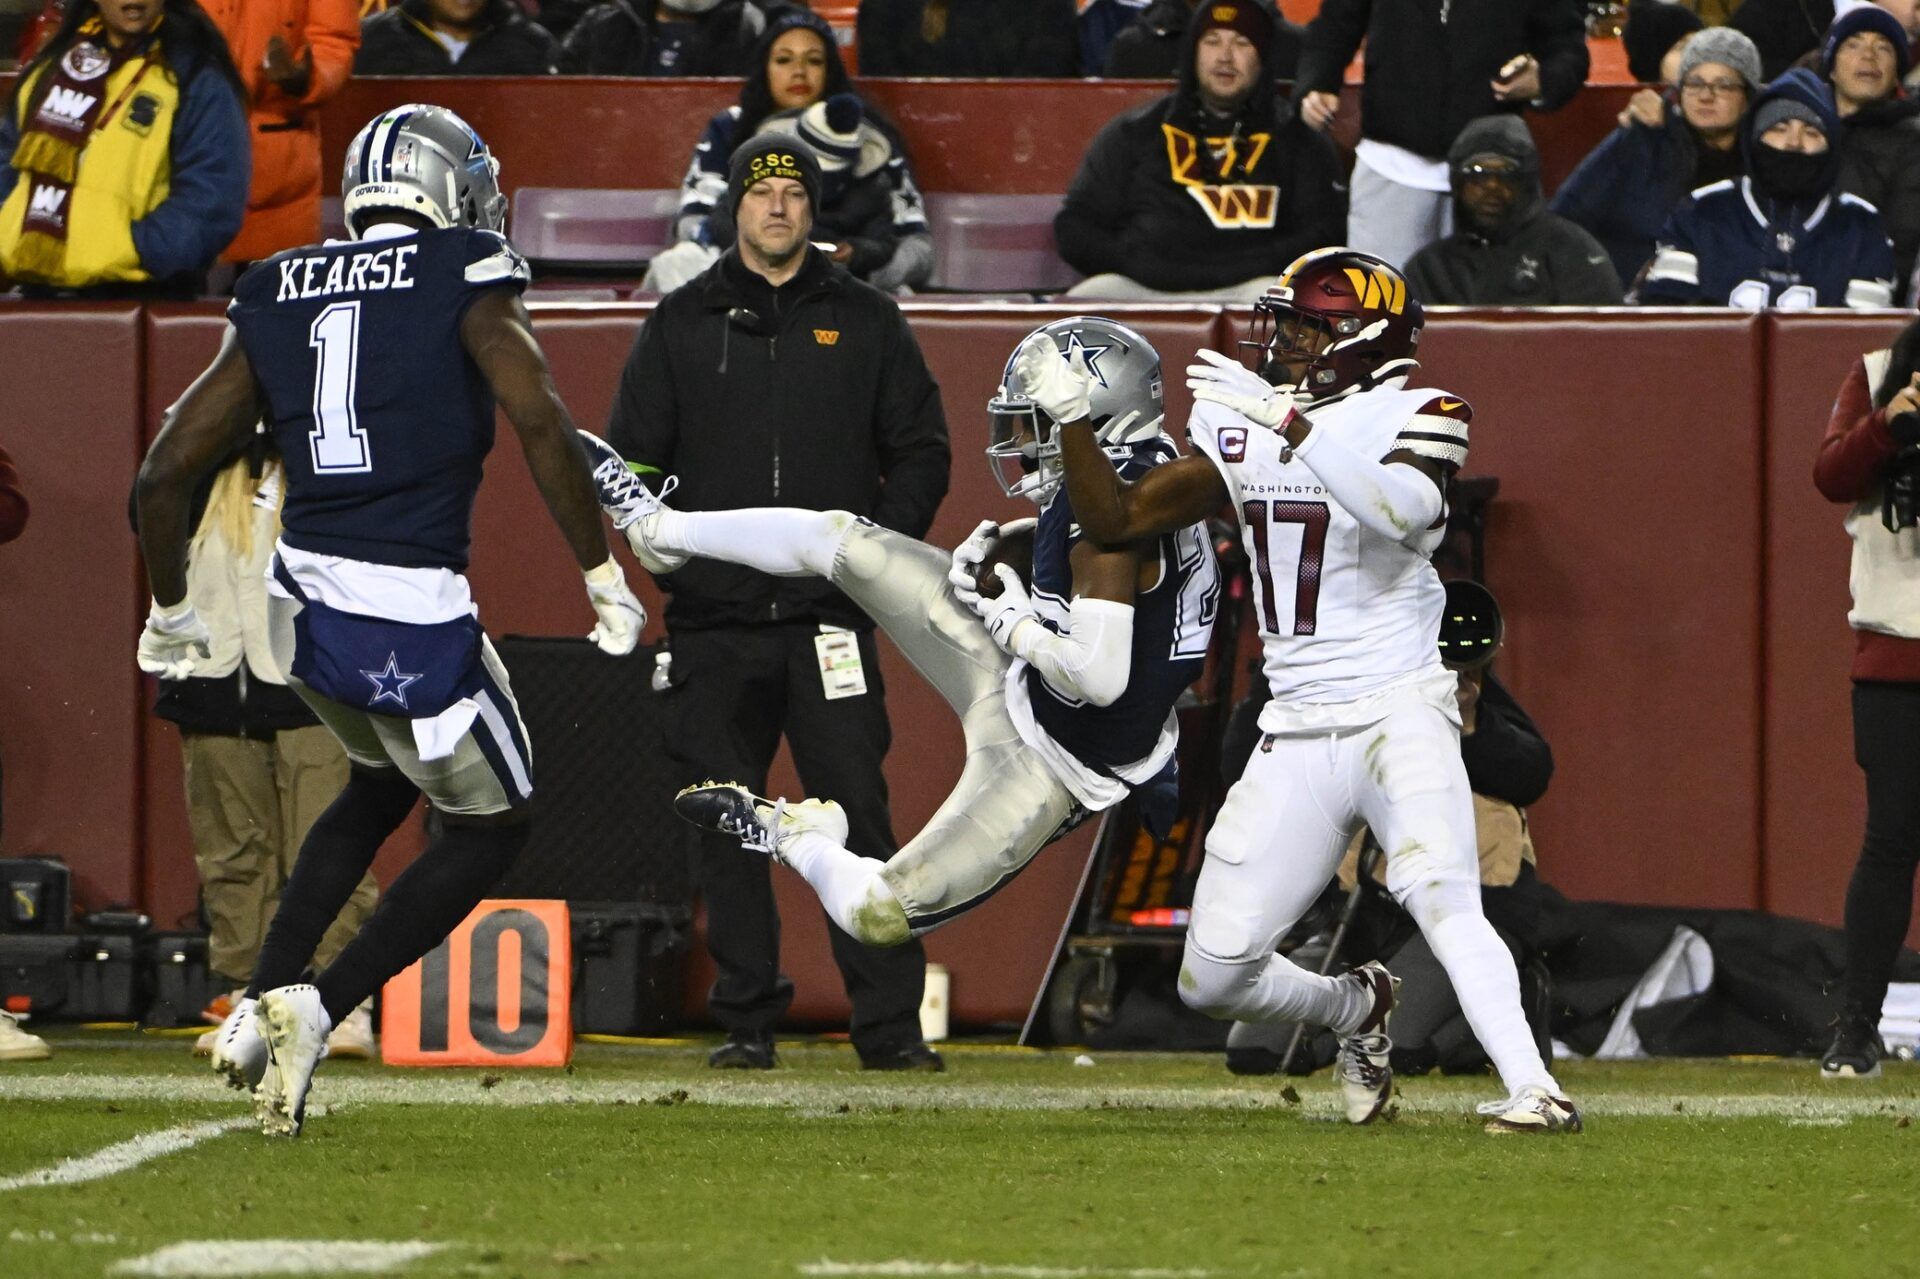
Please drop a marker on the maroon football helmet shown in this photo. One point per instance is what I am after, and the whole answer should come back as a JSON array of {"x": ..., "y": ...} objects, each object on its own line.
[{"x": 1338, "y": 321}]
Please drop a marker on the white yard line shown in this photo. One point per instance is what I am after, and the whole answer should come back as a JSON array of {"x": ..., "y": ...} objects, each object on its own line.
[
  {"x": 124, "y": 1155},
  {"x": 236, "y": 1257},
  {"x": 903, "y": 1269}
]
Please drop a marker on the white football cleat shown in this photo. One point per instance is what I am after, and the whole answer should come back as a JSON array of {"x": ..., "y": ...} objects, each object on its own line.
[
  {"x": 352, "y": 1039},
  {"x": 239, "y": 1053},
  {"x": 1364, "y": 1067},
  {"x": 16, "y": 1044},
  {"x": 295, "y": 1025},
  {"x": 628, "y": 503},
  {"x": 761, "y": 825},
  {"x": 1532, "y": 1110}
]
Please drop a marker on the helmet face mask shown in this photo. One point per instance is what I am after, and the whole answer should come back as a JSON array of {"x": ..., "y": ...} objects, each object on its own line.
[
  {"x": 1338, "y": 321},
  {"x": 425, "y": 161},
  {"x": 1023, "y": 442}
]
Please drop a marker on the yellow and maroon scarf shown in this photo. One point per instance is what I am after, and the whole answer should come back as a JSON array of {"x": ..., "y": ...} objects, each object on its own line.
[{"x": 70, "y": 103}]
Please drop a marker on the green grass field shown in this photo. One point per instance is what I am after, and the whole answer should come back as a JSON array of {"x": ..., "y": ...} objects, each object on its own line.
[{"x": 640, "y": 1161}]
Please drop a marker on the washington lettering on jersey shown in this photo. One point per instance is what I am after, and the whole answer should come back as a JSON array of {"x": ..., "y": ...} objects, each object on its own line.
[
  {"x": 332, "y": 274},
  {"x": 1343, "y": 611}
]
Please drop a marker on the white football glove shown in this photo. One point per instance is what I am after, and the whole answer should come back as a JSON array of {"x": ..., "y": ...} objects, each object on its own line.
[
  {"x": 174, "y": 642},
  {"x": 1005, "y": 611},
  {"x": 622, "y": 615},
  {"x": 1063, "y": 387},
  {"x": 1229, "y": 383},
  {"x": 967, "y": 558}
]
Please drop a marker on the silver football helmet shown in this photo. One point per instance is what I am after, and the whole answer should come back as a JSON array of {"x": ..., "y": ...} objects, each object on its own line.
[
  {"x": 423, "y": 160},
  {"x": 1022, "y": 446}
]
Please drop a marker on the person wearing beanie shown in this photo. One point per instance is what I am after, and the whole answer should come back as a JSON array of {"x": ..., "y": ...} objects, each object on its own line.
[
  {"x": 664, "y": 37},
  {"x": 1429, "y": 70},
  {"x": 1209, "y": 191},
  {"x": 1782, "y": 30},
  {"x": 1687, "y": 137},
  {"x": 1863, "y": 58},
  {"x": 796, "y": 66},
  {"x": 989, "y": 39},
  {"x": 1782, "y": 236},
  {"x": 1652, "y": 29},
  {"x": 1507, "y": 249},
  {"x": 1148, "y": 47},
  {"x": 777, "y": 378}
]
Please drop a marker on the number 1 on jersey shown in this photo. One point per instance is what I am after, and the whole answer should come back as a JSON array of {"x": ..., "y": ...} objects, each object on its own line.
[
  {"x": 1313, "y": 519},
  {"x": 339, "y": 445}
]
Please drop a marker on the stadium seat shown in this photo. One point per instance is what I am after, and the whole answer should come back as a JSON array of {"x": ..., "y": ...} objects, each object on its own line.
[
  {"x": 593, "y": 229},
  {"x": 996, "y": 243},
  {"x": 333, "y": 218}
]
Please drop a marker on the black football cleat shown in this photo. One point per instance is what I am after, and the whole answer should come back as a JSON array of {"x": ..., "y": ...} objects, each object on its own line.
[
  {"x": 745, "y": 1050},
  {"x": 915, "y": 1056},
  {"x": 728, "y": 808},
  {"x": 1856, "y": 1051}
]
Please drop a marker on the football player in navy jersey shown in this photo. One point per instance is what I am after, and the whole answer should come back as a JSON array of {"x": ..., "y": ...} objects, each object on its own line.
[
  {"x": 1065, "y": 692},
  {"x": 376, "y": 363}
]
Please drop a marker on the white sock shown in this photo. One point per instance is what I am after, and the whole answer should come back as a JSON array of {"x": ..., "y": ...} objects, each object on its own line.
[
  {"x": 846, "y": 882},
  {"x": 777, "y": 540},
  {"x": 1488, "y": 988}
]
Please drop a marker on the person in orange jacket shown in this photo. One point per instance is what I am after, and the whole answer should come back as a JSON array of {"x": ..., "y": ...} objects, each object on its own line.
[{"x": 293, "y": 55}]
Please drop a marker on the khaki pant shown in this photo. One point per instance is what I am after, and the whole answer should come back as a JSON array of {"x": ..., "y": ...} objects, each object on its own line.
[{"x": 250, "y": 805}]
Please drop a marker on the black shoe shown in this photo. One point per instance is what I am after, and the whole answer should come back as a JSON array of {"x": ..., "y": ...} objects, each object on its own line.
[
  {"x": 1856, "y": 1051},
  {"x": 745, "y": 1050},
  {"x": 728, "y": 808},
  {"x": 915, "y": 1056}
]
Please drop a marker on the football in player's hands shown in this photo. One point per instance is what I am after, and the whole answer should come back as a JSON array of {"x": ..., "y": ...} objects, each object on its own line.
[{"x": 1014, "y": 548}]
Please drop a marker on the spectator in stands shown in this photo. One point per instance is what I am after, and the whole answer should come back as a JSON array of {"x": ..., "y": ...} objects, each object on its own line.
[
  {"x": 1506, "y": 248},
  {"x": 1426, "y": 78},
  {"x": 665, "y": 38},
  {"x": 455, "y": 37},
  {"x": 1782, "y": 30},
  {"x": 123, "y": 154},
  {"x": 1209, "y": 191},
  {"x": 1865, "y": 55},
  {"x": 853, "y": 424},
  {"x": 1149, "y": 48},
  {"x": 1781, "y": 236},
  {"x": 260, "y": 767},
  {"x": 1629, "y": 185},
  {"x": 870, "y": 208},
  {"x": 989, "y": 38},
  {"x": 292, "y": 56},
  {"x": 1653, "y": 35},
  {"x": 1870, "y": 460}
]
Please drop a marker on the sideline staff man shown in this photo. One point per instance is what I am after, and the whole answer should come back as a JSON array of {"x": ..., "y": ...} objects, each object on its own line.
[{"x": 774, "y": 378}]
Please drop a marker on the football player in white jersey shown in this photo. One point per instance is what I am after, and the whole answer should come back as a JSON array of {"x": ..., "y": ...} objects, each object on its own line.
[{"x": 1337, "y": 472}]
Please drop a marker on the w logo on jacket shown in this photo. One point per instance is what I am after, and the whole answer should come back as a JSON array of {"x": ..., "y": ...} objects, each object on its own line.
[{"x": 1229, "y": 205}]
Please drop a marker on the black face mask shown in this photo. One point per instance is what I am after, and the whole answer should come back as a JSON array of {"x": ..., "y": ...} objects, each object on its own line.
[{"x": 1790, "y": 175}]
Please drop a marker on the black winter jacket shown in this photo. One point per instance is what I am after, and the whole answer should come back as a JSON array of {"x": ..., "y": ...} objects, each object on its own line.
[
  {"x": 992, "y": 38},
  {"x": 617, "y": 39},
  {"x": 1430, "y": 63},
  {"x": 1782, "y": 30},
  {"x": 1155, "y": 203},
  {"x": 1149, "y": 47},
  {"x": 399, "y": 42},
  {"x": 1534, "y": 258},
  {"x": 813, "y": 395},
  {"x": 1880, "y": 163}
]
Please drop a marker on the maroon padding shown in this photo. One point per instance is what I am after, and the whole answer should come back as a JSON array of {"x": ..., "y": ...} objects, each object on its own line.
[
  {"x": 1625, "y": 549},
  {"x": 1814, "y": 799},
  {"x": 1010, "y": 137},
  {"x": 70, "y": 602}
]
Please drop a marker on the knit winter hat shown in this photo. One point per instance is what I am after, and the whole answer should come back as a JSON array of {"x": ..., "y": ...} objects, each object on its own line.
[
  {"x": 1774, "y": 110},
  {"x": 1244, "y": 16},
  {"x": 773, "y": 156},
  {"x": 1727, "y": 47},
  {"x": 1867, "y": 17},
  {"x": 832, "y": 129},
  {"x": 1653, "y": 27}
]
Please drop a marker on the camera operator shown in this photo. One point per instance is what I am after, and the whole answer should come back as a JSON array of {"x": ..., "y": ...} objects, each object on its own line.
[{"x": 1870, "y": 460}]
